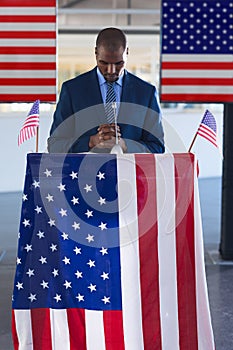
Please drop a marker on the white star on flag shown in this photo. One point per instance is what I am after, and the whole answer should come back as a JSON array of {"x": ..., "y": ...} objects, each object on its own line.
[
  {"x": 62, "y": 187},
  {"x": 63, "y": 212},
  {"x": 75, "y": 200},
  {"x": 38, "y": 209},
  {"x": 88, "y": 188},
  {"x": 80, "y": 297},
  {"x": 19, "y": 285},
  {"x": 106, "y": 300},
  {"x": 32, "y": 297},
  {"x": 57, "y": 298},
  {"x": 44, "y": 284},
  {"x": 48, "y": 173},
  {"x": 26, "y": 222},
  {"x": 40, "y": 234},
  {"x": 76, "y": 225},
  {"x": 74, "y": 175},
  {"x": 79, "y": 274},
  {"x": 49, "y": 198},
  {"x": 77, "y": 250},
  {"x": 103, "y": 226},
  {"x": 100, "y": 175},
  {"x": 92, "y": 287}
]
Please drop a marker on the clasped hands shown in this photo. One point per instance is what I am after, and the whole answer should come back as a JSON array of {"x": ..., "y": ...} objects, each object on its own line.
[{"x": 106, "y": 137}]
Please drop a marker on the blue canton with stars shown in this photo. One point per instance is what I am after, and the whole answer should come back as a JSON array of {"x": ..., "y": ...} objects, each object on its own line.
[
  {"x": 68, "y": 249},
  {"x": 209, "y": 121},
  {"x": 197, "y": 27}
]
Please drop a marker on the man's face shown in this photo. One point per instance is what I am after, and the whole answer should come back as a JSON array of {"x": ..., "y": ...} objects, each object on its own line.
[{"x": 111, "y": 64}]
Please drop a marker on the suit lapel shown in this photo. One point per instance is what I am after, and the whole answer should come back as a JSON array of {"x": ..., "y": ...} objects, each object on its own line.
[{"x": 127, "y": 89}]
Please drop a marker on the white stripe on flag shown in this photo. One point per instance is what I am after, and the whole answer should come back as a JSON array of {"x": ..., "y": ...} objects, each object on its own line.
[
  {"x": 28, "y": 73},
  {"x": 190, "y": 89},
  {"x": 26, "y": 11},
  {"x": 59, "y": 329},
  {"x": 196, "y": 58},
  {"x": 26, "y": 89},
  {"x": 186, "y": 73},
  {"x": 28, "y": 58},
  {"x": 5, "y": 26},
  {"x": 94, "y": 330},
  {"x": 204, "y": 326},
  {"x": 129, "y": 253},
  {"x": 165, "y": 188},
  {"x": 28, "y": 42},
  {"x": 24, "y": 329}
]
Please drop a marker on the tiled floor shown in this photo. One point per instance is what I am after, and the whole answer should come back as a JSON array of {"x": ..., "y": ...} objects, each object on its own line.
[{"x": 219, "y": 273}]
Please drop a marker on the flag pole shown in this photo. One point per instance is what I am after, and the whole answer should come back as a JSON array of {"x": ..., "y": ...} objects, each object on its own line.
[
  {"x": 37, "y": 138},
  {"x": 190, "y": 147}
]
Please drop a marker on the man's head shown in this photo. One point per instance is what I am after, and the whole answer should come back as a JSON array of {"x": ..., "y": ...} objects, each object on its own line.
[{"x": 111, "y": 53}]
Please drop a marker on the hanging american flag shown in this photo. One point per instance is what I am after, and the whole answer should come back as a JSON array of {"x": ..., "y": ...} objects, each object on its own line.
[
  {"x": 110, "y": 255},
  {"x": 208, "y": 128},
  {"x": 31, "y": 124},
  {"x": 27, "y": 50},
  {"x": 197, "y": 51}
]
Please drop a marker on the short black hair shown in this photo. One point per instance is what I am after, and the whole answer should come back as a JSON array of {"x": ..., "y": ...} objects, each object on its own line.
[{"x": 112, "y": 38}]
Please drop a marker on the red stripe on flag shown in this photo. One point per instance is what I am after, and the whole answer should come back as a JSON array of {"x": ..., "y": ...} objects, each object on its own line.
[
  {"x": 208, "y": 134},
  {"x": 77, "y": 330},
  {"x": 22, "y": 50},
  {"x": 25, "y": 134},
  {"x": 28, "y": 34},
  {"x": 28, "y": 19},
  {"x": 189, "y": 97},
  {"x": 34, "y": 122},
  {"x": 28, "y": 3},
  {"x": 28, "y": 65},
  {"x": 113, "y": 330},
  {"x": 27, "y": 81},
  {"x": 148, "y": 242},
  {"x": 41, "y": 330},
  {"x": 197, "y": 65},
  {"x": 197, "y": 81},
  {"x": 14, "y": 331},
  {"x": 185, "y": 252},
  {"x": 28, "y": 97},
  {"x": 209, "y": 139},
  {"x": 205, "y": 130}
]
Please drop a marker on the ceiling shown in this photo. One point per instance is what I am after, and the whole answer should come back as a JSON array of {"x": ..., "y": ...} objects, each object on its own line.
[
  {"x": 89, "y": 15},
  {"x": 80, "y": 20}
]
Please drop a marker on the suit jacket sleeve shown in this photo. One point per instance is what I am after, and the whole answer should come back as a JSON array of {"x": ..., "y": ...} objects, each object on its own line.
[{"x": 73, "y": 122}]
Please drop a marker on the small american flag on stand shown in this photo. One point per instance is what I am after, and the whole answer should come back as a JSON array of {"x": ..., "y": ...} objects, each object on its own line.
[
  {"x": 208, "y": 128},
  {"x": 31, "y": 124}
]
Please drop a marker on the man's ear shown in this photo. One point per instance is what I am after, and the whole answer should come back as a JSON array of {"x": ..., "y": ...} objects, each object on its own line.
[
  {"x": 95, "y": 50},
  {"x": 127, "y": 51}
]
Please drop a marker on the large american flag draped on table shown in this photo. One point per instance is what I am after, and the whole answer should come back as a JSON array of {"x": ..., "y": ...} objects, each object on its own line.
[
  {"x": 197, "y": 51},
  {"x": 27, "y": 50},
  {"x": 110, "y": 255}
]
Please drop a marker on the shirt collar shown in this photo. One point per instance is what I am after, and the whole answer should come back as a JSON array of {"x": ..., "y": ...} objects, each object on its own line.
[{"x": 103, "y": 81}]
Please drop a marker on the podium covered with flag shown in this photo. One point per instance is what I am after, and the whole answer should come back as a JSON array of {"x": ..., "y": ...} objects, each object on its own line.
[{"x": 110, "y": 254}]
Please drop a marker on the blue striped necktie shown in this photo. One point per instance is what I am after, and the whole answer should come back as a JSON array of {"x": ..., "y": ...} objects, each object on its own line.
[{"x": 110, "y": 98}]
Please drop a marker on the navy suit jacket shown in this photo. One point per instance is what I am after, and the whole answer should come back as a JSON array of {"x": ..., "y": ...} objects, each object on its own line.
[{"x": 80, "y": 111}]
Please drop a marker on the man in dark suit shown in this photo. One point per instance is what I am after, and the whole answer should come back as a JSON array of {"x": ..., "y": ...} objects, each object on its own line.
[{"x": 80, "y": 123}]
